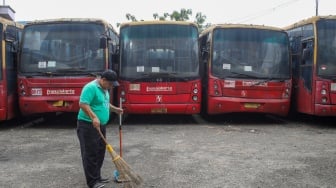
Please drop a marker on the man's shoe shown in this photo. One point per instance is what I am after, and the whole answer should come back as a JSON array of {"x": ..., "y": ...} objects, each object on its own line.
[
  {"x": 98, "y": 185},
  {"x": 104, "y": 180}
]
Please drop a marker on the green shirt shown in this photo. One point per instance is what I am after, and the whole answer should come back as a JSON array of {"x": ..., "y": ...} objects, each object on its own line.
[{"x": 99, "y": 101}]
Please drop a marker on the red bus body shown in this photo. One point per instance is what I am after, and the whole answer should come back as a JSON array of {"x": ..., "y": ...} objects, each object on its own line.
[
  {"x": 313, "y": 46},
  {"x": 57, "y": 58},
  {"x": 234, "y": 79},
  {"x": 243, "y": 96},
  {"x": 51, "y": 94},
  {"x": 159, "y": 68},
  {"x": 10, "y": 32},
  {"x": 166, "y": 98}
]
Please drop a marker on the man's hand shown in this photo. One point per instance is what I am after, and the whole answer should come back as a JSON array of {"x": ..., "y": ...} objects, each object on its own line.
[
  {"x": 116, "y": 109},
  {"x": 96, "y": 123}
]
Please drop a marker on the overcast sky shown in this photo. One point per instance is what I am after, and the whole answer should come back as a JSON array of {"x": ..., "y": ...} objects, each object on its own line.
[{"x": 279, "y": 13}]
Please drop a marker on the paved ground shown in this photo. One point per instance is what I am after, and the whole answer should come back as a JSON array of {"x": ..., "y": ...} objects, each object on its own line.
[{"x": 179, "y": 152}]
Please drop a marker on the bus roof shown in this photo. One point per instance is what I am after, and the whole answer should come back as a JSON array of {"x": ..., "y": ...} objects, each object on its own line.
[
  {"x": 157, "y": 22},
  {"x": 243, "y": 26},
  {"x": 313, "y": 19},
  {"x": 10, "y": 22},
  {"x": 65, "y": 20}
]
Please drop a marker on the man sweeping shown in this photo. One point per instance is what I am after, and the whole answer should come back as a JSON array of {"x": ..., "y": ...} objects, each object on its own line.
[{"x": 93, "y": 115}]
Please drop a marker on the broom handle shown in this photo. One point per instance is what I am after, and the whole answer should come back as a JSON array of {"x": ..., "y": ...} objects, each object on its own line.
[
  {"x": 102, "y": 136},
  {"x": 120, "y": 133}
]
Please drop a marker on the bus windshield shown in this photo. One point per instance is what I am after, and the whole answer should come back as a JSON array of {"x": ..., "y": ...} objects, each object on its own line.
[
  {"x": 159, "y": 49},
  {"x": 326, "y": 58},
  {"x": 62, "y": 48},
  {"x": 245, "y": 52}
]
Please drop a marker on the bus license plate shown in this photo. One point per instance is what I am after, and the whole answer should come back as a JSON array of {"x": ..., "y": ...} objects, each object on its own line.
[
  {"x": 159, "y": 110},
  {"x": 251, "y": 105},
  {"x": 58, "y": 103}
]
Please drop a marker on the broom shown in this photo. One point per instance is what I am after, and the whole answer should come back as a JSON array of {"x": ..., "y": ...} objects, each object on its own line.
[
  {"x": 123, "y": 168},
  {"x": 120, "y": 133},
  {"x": 120, "y": 177}
]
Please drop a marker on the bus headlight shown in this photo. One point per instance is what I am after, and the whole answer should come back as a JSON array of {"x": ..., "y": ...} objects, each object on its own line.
[
  {"x": 324, "y": 100},
  {"x": 122, "y": 93},
  {"x": 323, "y": 92},
  {"x": 285, "y": 95},
  {"x": 195, "y": 98},
  {"x": 195, "y": 91}
]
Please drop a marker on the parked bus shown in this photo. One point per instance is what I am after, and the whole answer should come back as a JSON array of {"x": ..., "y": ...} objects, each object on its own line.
[
  {"x": 57, "y": 58},
  {"x": 245, "y": 68},
  {"x": 313, "y": 46},
  {"x": 159, "y": 68},
  {"x": 9, "y": 37}
]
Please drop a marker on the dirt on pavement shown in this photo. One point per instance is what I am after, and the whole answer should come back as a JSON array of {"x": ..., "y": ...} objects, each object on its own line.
[{"x": 178, "y": 152}]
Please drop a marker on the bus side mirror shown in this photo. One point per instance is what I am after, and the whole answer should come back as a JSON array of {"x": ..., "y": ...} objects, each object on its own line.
[
  {"x": 306, "y": 54},
  {"x": 204, "y": 52},
  {"x": 15, "y": 46},
  {"x": 103, "y": 43},
  {"x": 10, "y": 37}
]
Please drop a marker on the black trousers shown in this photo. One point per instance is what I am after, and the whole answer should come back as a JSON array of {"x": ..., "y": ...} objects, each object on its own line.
[{"x": 92, "y": 149}]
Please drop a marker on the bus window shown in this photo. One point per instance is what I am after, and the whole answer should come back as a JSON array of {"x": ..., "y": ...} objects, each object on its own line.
[{"x": 306, "y": 64}]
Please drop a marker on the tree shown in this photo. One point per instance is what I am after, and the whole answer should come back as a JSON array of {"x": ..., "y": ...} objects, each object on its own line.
[
  {"x": 131, "y": 17},
  {"x": 157, "y": 17},
  {"x": 200, "y": 20},
  {"x": 182, "y": 15}
]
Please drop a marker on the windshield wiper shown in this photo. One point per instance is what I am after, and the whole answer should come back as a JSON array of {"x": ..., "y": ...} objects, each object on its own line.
[
  {"x": 78, "y": 71},
  {"x": 156, "y": 74},
  {"x": 245, "y": 75},
  {"x": 267, "y": 80},
  {"x": 71, "y": 70},
  {"x": 47, "y": 73},
  {"x": 159, "y": 75}
]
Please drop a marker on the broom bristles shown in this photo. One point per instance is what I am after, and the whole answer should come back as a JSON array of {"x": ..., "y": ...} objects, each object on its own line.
[{"x": 125, "y": 171}]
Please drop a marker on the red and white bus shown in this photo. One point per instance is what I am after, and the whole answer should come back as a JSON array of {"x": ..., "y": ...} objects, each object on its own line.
[
  {"x": 245, "y": 68},
  {"x": 313, "y": 46},
  {"x": 58, "y": 57},
  {"x": 10, "y": 33},
  {"x": 159, "y": 68}
]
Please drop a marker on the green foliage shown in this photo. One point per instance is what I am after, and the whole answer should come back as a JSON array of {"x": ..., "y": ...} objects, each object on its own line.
[{"x": 182, "y": 15}]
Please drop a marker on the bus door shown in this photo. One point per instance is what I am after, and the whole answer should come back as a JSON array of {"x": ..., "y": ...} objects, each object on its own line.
[{"x": 305, "y": 85}]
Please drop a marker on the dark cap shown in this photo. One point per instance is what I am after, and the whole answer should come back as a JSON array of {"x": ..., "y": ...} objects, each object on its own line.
[{"x": 111, "y": 76}]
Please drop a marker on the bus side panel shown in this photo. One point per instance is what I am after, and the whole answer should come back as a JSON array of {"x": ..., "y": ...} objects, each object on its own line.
[
  {"x": 8, "y": 103},
  {"x": 3, "y": 103},
  {"x": 303, "y": 98}
]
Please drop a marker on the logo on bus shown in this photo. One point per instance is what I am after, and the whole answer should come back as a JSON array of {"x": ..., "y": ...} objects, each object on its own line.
[
  {"x": 158, "y": 98},
  {"x": 243, "y": 93}
]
